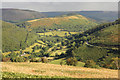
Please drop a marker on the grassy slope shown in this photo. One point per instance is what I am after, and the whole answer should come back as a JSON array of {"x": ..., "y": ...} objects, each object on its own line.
[
  {"x": 12, "y": 36},
  {"x": 41, "y": 69}
]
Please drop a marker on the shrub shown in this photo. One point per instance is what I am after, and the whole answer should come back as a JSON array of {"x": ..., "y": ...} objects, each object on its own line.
[
  {"x": 71, "y": 61},
  {"x": 44, "y": 60},
  {"x": 61, "y": 62},
  {"x": 6, "y": 59},
  {"x": 19, "y": 59},
  {"x": 34, "y": 60}
]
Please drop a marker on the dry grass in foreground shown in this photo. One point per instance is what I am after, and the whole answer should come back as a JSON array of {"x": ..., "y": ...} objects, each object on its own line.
[{"x": 45, "y": 69}]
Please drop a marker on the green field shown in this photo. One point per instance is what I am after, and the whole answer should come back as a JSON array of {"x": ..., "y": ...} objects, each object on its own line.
[{"x": 79, "y": 64}]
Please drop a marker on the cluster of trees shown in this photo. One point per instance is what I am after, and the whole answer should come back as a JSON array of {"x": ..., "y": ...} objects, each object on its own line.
[
  {"x": 71, "y": 61},
  {"x": 19, "y": 57},
  {"x": 51, "y": 39}
]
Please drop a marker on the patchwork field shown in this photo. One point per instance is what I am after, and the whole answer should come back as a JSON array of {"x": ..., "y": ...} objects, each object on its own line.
[
  {"x": 27, "y": 49},
  {"x": 41, "y": 69},
  {"x": 58, "y": 33}
]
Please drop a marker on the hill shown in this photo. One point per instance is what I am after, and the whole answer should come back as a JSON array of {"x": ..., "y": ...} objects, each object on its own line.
[
  {"x": 41, "y": 70},
  {"x": 74, "y": 23},
  {"x": 14, "y": 38},
  {"x": 17, "y": 15},
  {"x": 99, "y": 16}
]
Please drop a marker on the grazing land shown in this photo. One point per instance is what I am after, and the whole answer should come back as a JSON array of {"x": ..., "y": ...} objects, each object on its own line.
[{"x": 53, "y": 70}]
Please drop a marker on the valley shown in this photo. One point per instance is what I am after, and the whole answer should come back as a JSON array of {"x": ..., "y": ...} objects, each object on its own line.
[{"x": 72, "y": 45}]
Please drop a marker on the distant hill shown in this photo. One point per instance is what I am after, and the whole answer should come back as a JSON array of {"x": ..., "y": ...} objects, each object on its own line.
[
  {"x": 65, "y": 22},
  {"x": 17, "y": 15},
  {"x": 14, "y": 38},
  {"x": 101, "y": 16}
]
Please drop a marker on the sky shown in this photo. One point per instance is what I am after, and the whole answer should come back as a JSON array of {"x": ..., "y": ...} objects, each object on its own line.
[
  {"x": 63, "y": 6},
  {"x": 59, "y": 0}
]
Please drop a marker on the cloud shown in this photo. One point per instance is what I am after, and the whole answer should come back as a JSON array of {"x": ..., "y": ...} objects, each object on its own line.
[
  {"x": 60, "y": 0},
  {"x": 63, "y": 6}
]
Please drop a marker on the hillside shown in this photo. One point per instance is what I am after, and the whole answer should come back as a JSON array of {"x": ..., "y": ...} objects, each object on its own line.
[
  {"x": 17, "y": 15},
  {"x": 70, "y": 23},
  {"x": 108, "y": 35},
  {"x": 14, "y": 38},
  {"x": 41, "y": 70},
  {"x": 99, "y": 44}
]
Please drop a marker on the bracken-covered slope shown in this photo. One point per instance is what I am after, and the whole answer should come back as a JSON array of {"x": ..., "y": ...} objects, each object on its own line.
[{"x": 65, "y": 22}]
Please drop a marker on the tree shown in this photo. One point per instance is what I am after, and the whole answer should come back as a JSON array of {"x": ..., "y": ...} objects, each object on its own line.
[
  {"x": 69, "y": 33},
  {"x": 73, "y": 54},
  {"x": 56, "y": 54},
  {"x": 65, "y": 34},
  {"x": 61, "y": 62},
  {"x": 73, "y": 43},
  {"x": 115, "y": 63},
  {"x": 62, "y": 43}
]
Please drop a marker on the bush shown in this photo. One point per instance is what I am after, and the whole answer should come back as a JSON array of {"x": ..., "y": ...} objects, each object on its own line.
[
  {"x": 19, "y": 59},
  {"x": 6, "y": 60},
  {"x": 44, "y": 60},
  {"x": 34, "y": 60},
  {"x": 91, "y": 64},
  {"x": 71, "y": 61}
]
